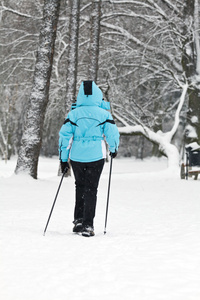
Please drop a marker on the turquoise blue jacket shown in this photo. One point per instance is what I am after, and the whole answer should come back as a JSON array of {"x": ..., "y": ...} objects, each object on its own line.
[{"x": 83, "y": 134}]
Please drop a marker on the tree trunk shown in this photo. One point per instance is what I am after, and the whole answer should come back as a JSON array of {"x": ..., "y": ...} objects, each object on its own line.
[
  {"x": 71, "y": 78},
  {"x": 94, "y": 40},
  {"x": 191, "y": 66},
  {"x": 72, "y": 53},
  {"x": 32, "y": 135}
]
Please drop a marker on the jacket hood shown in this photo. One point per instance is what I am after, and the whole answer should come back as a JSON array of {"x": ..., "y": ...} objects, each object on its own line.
[{"x": 89, "y": 94}]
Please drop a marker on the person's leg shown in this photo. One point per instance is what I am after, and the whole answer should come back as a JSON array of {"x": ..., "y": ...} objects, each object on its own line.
[
  {"x": 93, "y": 172},
  {"x": 79, "y": 174},
  {"x": 87, "y": 177}
]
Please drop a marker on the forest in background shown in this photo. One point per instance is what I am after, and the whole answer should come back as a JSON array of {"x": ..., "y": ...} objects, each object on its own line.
[{"x": 148, "y": 50}]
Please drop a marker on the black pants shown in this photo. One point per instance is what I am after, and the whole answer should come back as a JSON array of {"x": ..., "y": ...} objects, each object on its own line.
[{"x": 87, "y": 177}]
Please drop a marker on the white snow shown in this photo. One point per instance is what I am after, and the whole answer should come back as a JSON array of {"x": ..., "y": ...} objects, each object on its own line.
[
  {"x": 194, "y": 146},
  {"x": 191, "y": 131},
  {"x": 151, "y": 250},
  {"x": 194, "y": 119}
]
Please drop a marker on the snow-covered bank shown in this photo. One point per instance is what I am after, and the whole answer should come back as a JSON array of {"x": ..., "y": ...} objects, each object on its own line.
[{"x": 151, "y": 249}]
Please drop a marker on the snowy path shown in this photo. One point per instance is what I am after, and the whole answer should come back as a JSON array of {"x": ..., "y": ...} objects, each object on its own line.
[{"x": 151, "y": 250}]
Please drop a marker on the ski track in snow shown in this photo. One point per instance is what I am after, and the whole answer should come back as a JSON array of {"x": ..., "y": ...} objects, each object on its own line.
[{"x": 151, "y": 250}]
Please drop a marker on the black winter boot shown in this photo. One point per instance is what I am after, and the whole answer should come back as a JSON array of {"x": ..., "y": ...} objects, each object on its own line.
[
  {"x": 88, "y": 231},
  {"x": 78, "y": 226}
]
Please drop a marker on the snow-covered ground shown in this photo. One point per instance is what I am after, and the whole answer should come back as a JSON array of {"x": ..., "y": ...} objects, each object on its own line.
[{"x": 151, "y": 250}]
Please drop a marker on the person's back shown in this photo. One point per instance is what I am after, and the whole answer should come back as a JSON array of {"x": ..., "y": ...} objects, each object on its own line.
[
  {"x": 82, "y": 138},
  {"x": 88, "y": 123}
]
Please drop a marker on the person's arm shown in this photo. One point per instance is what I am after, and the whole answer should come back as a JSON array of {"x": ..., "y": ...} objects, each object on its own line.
[
  {"x": 112, "y": 135},
  {"x": 65, "y": 140}
]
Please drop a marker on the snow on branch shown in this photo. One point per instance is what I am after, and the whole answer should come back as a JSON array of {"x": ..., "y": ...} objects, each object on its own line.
[
  {"x": 171, "y": 5},
  {"x": 158, "y": 138},
  {"x": 2, "y": 134},
  {"x": 129, "y": 15},
  {"x": 163, "y": 140},
  {"x": 120, "y": 119},
  {"x": 16, "y": 12},
  {"x": 131, "y": 2},
  {"x": 172, "y": 132},
  {"x": 158, "y": 8},
  {"x": 145, "y": 46},
  {"x": 196, "y": 35}
]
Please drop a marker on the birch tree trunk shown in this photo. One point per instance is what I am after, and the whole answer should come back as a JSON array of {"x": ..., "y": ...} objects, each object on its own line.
[
  {"x": 191, "y": 66},
  {"x": 32, "y": 135},
  {"x": 72, "y": 53},
  {"x": 94, "y": 39}
]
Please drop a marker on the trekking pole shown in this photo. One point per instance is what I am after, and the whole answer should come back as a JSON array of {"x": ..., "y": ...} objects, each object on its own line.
[
  {"x": 187, "y": 164},
  {"x": 108, "y": 195},
  {"x": 54, "y": 201}
]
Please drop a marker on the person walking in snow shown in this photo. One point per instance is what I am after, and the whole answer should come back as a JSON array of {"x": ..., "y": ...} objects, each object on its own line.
[{"x": 82, "y": 140}]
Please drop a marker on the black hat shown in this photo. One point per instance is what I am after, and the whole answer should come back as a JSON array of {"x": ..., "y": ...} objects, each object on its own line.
[{"x": 87, "y": 87}]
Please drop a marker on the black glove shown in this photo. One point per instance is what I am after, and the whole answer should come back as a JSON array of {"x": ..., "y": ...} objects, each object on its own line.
[
  {"x": 113, "y": 154},
  {"x": 64, "y": 166}
]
